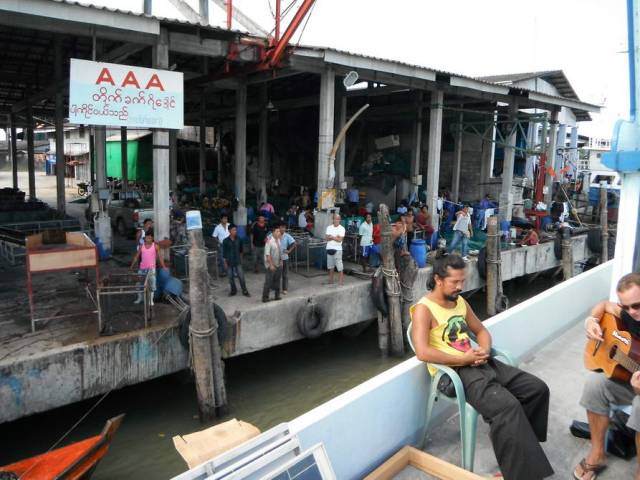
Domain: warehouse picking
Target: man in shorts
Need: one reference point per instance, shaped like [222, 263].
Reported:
[334, 236]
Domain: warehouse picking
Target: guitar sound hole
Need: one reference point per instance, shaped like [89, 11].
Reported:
[612, 352]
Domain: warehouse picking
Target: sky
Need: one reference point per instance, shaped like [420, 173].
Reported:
[585, 38]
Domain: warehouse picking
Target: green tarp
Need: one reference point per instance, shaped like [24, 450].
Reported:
[139, 160]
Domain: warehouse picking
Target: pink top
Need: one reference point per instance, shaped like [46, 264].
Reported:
[148, 257]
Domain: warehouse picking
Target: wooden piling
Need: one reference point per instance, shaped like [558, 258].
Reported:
[604, 223]
[567, 253]
[383, 334]
[493, 240]
[205, 350]
[391, 282]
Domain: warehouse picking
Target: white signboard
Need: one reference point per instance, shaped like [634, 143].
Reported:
[120, 95]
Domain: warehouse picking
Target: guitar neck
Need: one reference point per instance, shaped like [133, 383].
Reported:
[626, 362]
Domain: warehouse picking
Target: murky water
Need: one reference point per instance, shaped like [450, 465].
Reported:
[264, 388]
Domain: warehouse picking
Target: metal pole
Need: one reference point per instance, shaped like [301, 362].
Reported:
[493, 264]
[30, 155]
[204, 11]
[229, 14]
[277, 30]
[14, 150]
[124, 158]
[604, 223]
[202, 150]
[60, 160]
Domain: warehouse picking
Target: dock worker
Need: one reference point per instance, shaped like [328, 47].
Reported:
[259, 232]
[514, 403]
[288, 245]
[220, 233]
[273, 265]
[334, 235]
[366, 240]
[232, 255]
[601, 393]
[149, 255]
[462, 232]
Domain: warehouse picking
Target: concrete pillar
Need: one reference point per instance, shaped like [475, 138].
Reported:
[561, 144]
[161, 200]
[124, 157]
[263, 144]
[573, 145]
[341, 154]
[551, 155]
[325, 133]
[240, 186]
[488, 155]
[506, 196]
[100, 147]
[416, 147]
[220, 154]
[14, 150]
[59, 120]
[92, 155]
[173, 159]
[202, 151]
[433, 159]
[31, 165]
[457, 161]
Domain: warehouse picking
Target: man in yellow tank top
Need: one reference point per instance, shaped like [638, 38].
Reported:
[513, 402]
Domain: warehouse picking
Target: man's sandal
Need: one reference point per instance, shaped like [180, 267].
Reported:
[594, 469]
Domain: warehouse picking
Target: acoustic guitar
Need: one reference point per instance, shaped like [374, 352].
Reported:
[618, 356]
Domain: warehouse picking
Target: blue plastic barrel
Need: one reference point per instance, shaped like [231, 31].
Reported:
[546, 221]
[418, 251]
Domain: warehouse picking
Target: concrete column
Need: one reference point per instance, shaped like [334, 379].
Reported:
[325, 134]
[341, 154]
[457, 161]
[240, 186]
[220, 154]
[551, 155]
[14, 150]
[92, 154]
[161, 199]
[202, 151]
[31, 165]
[488, 155]
[573, 144]
[433, 159]
[561, 143]
[124, 157]
[173, 159]
[263, 144]
[100, 147]
[60, 160]
[416, 147]
[506, 196]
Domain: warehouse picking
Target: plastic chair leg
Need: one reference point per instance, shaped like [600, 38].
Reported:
[469, 437]
[433, 396]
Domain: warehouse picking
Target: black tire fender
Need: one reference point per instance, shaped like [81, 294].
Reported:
[311, 320]
[594, 240]
[184, 321]
[557, 245]
[482, 263]
[378, 295]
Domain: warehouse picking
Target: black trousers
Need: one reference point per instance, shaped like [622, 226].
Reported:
[515, 404]
[272, 282]
[285, 274]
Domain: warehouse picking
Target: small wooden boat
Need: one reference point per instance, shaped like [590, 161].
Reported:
[73, 462]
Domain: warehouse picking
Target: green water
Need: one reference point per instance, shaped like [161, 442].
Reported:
[264, 388]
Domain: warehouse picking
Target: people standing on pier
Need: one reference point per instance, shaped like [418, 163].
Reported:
[514, 403]
[288, 245]
[273, 265]
[601, 393]
[258, 237]
[334, 236]
[462, 232]
[232, 255]
[220, 233]
[366, 240]
[148, 254]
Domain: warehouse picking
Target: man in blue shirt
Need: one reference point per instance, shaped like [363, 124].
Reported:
[288, 244]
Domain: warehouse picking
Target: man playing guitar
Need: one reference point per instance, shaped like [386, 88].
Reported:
[600, 392]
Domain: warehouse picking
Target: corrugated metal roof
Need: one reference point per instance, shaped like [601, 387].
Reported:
[557, 78]
[174, 21]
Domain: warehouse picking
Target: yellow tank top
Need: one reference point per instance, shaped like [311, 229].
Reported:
[451, 336]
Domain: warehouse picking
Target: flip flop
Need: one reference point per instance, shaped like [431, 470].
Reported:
[589, 468]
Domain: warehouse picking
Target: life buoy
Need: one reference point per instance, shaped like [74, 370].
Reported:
[184, 321]
[377, 292]
[311, 320]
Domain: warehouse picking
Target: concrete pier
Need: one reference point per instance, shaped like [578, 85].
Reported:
[67, 361]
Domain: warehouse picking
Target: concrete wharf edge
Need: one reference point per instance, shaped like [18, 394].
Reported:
[43, 380]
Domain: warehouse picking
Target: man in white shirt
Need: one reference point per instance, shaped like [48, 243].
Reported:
[334, 236]
[302, 219]
[462, 232]
[366, 240]
[220, 233]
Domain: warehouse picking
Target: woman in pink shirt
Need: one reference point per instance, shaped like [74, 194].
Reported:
[148, 254]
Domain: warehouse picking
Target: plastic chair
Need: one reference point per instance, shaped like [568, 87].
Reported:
[468, 414]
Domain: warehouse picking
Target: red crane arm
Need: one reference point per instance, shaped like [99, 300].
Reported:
[274, 56]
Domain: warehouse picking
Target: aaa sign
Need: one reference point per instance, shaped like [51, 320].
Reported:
[120, 95]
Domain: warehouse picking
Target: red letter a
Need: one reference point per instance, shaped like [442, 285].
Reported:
[105, 76]
[130, 79]
[154, 81]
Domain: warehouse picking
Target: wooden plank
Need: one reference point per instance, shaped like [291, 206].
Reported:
[60, 260]
[422, 461]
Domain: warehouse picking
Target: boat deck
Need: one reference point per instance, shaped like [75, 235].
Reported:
[560, 365]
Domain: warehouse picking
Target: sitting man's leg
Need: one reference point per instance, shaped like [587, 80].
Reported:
[514, 438]
[598, 395]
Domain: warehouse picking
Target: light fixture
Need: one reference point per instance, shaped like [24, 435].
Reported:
[270, 106]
